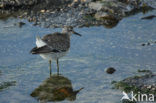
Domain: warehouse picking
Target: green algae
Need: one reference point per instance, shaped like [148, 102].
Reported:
[5, 85]
[129, 86]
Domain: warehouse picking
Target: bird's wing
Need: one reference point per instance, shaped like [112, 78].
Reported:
[57, 41]
[43, 49]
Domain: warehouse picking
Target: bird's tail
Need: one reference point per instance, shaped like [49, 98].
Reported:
[39, 42]
[33, 51]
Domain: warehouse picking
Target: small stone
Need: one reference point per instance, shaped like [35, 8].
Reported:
[1, 5]
[75, 0]
[143, 44]
[153, 89]
[148, 43]
[149, 17]
[86, 0]
[110, 70]
[48, 11]
[20, 24]
[42, 11]
[149, 87]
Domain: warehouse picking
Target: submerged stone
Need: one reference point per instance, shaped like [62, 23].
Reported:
[149, 17]
[20, 24]
[143, 44]
[5, 85]
[110, 70]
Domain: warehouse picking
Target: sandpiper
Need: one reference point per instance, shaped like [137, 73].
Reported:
[54, 46]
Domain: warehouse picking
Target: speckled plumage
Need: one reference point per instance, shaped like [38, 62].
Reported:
[57, 41]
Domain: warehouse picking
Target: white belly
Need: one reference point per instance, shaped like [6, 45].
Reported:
[50, 56]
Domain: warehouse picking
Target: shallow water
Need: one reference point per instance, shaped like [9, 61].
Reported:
[85, 64]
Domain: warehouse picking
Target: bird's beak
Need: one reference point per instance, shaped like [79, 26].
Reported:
[76, 33]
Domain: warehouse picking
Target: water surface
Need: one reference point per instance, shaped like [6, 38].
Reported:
[84, 65]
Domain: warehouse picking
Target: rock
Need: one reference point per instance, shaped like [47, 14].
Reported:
[149, 87]
[100, 15]
[143, 83]
[18, 2]
[86, 0]
[20, 24]
[143, 44]
[110, 70]
[148, 43]
[57, 13]
[1, 5]
[95, 5]
[149, 17]
[153, 89]
[42, 11]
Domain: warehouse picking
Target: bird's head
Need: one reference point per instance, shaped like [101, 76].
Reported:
[69, 30]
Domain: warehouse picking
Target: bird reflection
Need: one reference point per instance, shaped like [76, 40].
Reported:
[55, 88]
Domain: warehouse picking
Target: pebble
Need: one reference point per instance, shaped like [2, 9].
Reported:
[149, 87]
[148, 43]
[1, 5]
[42, 11]
[110, 70]
[143, 44]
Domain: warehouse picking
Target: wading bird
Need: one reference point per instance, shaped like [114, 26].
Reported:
[54, 46]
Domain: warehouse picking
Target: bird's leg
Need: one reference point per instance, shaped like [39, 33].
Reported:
[50, 67]
[57, 66]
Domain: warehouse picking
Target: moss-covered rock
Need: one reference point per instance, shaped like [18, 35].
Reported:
[143, 84]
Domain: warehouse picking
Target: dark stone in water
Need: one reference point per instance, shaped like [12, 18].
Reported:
[143, 44]
[110, 70]
[20, 24]
[149, 17]
[148, 43]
